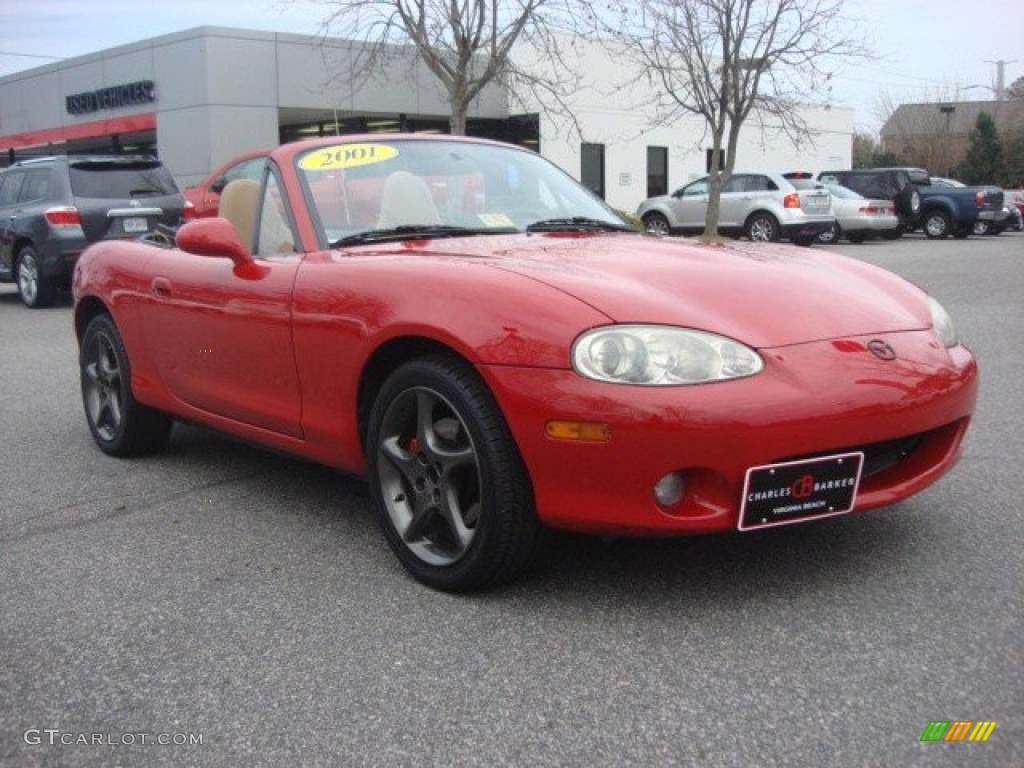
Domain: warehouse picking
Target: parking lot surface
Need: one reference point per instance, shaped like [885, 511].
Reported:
[242, 607]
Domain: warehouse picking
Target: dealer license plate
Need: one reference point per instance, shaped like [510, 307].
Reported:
[818, 202]
[135, 224]
[794, 491]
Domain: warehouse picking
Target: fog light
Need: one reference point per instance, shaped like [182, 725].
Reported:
[669, 490]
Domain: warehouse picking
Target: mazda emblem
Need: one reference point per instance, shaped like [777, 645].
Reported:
[881, 349]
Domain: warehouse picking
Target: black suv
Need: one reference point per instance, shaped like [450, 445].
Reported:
[52, 208]
[896, 184]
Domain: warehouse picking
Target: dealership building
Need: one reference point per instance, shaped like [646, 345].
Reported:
[199, 97]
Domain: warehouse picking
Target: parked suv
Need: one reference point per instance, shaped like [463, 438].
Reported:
[762, 206]
[896, 184]
[52, 208]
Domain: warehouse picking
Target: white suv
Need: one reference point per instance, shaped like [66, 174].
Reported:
[762, 206]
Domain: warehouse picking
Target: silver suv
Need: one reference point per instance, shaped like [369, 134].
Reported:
[762, 206]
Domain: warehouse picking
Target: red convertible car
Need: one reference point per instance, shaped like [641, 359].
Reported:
[500, 354]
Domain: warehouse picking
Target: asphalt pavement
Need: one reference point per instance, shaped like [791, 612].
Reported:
[242, 607]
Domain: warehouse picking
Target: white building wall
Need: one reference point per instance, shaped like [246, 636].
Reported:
[614, 106]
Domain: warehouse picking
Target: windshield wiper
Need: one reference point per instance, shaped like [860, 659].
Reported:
[577, 223]
[415, 231]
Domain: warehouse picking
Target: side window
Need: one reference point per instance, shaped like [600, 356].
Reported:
[697, 188]
[762, 184]
[36, 186]
[739, 183]
[275, 236]
[10, 186]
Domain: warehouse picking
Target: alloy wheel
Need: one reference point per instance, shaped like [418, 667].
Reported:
[430, 477]
[103, 395]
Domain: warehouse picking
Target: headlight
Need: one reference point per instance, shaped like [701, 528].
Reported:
[943, 324]
[656, 355]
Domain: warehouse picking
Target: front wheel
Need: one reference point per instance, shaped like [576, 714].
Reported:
[34, 290]
[453, 497]
[937, 225]
[656, 224]
[762, 228]
[120, 425]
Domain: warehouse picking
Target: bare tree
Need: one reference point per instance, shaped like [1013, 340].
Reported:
[728, 61]
[466, 44]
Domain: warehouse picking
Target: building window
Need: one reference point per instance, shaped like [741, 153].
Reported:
[657, 171]
[592, 168]
[707, 160]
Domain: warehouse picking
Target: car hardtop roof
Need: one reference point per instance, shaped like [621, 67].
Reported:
[862, 171]
[83, 158]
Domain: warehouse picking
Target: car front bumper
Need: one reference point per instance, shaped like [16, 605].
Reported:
[909, 415]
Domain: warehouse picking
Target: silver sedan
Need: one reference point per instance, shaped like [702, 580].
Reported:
[859, 218]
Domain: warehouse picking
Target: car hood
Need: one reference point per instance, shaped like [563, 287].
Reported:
[766, 295]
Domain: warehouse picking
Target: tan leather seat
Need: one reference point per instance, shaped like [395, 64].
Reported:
[406, 200]
[238, 204]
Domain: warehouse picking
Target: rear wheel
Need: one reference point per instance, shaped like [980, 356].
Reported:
[937, 225]
[34, 290]
[762, 228]
[120, 425]
[452, 494]
[981, 228]
[855, 238]
[830, 235]
[656, 224]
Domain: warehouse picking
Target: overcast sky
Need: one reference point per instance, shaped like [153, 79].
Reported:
[925, 50]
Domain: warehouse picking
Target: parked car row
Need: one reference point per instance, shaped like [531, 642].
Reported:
[856, 204]
[773, 206]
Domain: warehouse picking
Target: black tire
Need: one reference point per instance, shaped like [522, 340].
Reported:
[831, 235]
[453, 497]
[762, 228]
[981, 228]
[657, 224]
[34, 290]
[857, 239]
[119, 424]
[804, 240]
[936, 225]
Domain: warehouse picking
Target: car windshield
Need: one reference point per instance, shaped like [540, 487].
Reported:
[124, 179]
[805, 183]
[398, 189]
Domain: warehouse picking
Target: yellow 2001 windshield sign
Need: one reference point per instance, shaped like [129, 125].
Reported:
[346, 156]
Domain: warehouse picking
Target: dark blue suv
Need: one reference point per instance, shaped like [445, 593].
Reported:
[52, 208]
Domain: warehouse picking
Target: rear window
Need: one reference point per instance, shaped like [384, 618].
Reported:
[121, 179]
[805, 184]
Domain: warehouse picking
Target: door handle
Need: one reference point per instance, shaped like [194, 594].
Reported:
[161, 287]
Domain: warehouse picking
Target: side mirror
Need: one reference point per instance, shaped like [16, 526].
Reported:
[218, 184]
[214, 237]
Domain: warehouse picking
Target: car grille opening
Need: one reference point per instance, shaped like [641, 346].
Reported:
[878, 457]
